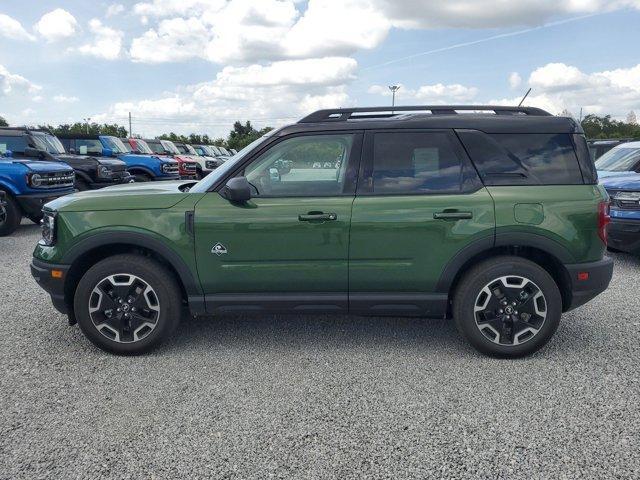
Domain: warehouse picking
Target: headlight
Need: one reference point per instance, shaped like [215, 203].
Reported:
[35, 180]
[104, 171]
[48, 225]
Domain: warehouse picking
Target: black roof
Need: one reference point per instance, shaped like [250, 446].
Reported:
[17, 131]
[487, 118]
[82, 136]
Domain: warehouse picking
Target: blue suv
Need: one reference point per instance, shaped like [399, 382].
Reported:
[27, 183]
[624, 230]
[144, 168]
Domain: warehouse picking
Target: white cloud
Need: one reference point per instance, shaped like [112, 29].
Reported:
[65, 99]
[557, 87]
[174, 40]
[12, 84]
[56, 25]
[515, 80]
[114, 9]
[107, 42]
[437, 94]
[268, 95]
[244, 31]
[13, 29]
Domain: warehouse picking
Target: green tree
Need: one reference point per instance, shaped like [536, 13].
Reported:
[93, 129]
[3, 122]
[243, 135]
[595, 126]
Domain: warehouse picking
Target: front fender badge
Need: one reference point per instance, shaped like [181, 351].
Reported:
[219, 249]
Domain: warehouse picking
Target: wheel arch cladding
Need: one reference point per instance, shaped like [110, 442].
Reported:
[546, 253]
[98, 247]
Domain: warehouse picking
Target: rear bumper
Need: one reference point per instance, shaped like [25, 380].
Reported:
[32, 204]
[624, 235]
[598, 276]
[42, 273]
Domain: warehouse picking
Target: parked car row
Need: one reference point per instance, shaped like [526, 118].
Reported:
[37, 166]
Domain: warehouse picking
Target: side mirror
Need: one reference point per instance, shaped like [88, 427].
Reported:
[237, 189]
[107, 152]
[33, 152]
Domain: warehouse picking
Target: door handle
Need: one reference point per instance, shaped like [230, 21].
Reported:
[453, 215]
[317, 217]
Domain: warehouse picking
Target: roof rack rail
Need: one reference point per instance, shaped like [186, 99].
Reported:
[344, 114]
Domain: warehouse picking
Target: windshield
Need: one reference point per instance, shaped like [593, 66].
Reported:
[181, 148]
[51, 143]
[203, 185]
[115, 144]
[207, 151]
[224, 151]
[190, 150]
[156, 147]
[170, 147]
[142, 146]
[619, 160]
[216, 151]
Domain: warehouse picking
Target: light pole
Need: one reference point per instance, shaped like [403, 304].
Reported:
[87, 120]
[394, 89]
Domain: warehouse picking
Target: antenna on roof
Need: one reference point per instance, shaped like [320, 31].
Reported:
[525, 96]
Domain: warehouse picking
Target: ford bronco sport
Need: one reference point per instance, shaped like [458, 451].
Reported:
[489, 215]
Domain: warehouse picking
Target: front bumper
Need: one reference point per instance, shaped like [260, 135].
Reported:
[624, 235]
[32, 204]
[588, 280]
[42, 272]
[128, 178]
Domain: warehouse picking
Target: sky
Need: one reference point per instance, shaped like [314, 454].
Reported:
[199, 65]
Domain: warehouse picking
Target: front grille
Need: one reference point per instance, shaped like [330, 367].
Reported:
[170, 168]
[189, 167]
[56, 180]
[622, 204]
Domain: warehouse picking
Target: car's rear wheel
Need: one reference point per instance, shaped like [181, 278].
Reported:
[10, 216]
[507, 307]
[127, 304]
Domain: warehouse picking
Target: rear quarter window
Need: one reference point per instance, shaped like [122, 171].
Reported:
[523, 159]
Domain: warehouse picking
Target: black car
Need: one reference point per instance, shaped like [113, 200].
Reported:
[92, 172]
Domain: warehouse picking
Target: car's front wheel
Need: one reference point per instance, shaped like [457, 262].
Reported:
[127, 304]
[10, 216]
[507, 307]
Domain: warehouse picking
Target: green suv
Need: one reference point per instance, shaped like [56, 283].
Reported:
[488, 215]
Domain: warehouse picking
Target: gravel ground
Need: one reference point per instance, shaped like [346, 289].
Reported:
[316, 397]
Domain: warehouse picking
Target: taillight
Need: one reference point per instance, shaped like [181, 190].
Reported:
[603, 220]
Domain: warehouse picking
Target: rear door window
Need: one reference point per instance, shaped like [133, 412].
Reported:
[13, 143]
[412, 163]
[529, 158]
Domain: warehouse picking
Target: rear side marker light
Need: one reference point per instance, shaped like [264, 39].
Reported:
[582, 276]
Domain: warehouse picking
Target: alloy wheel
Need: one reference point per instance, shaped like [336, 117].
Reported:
[510, 310]
[124, 308]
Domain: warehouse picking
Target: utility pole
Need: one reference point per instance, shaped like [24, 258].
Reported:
[394, 89]
[130, 132]
[87, 120]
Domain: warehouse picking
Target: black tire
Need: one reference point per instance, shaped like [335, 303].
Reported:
[142, 177]
[515, 340]
[81, 185]
[10, 216]
[166, 295]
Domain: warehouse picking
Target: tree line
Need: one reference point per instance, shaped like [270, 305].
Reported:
[242, 134]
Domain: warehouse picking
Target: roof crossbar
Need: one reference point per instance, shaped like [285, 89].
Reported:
[344, 114]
